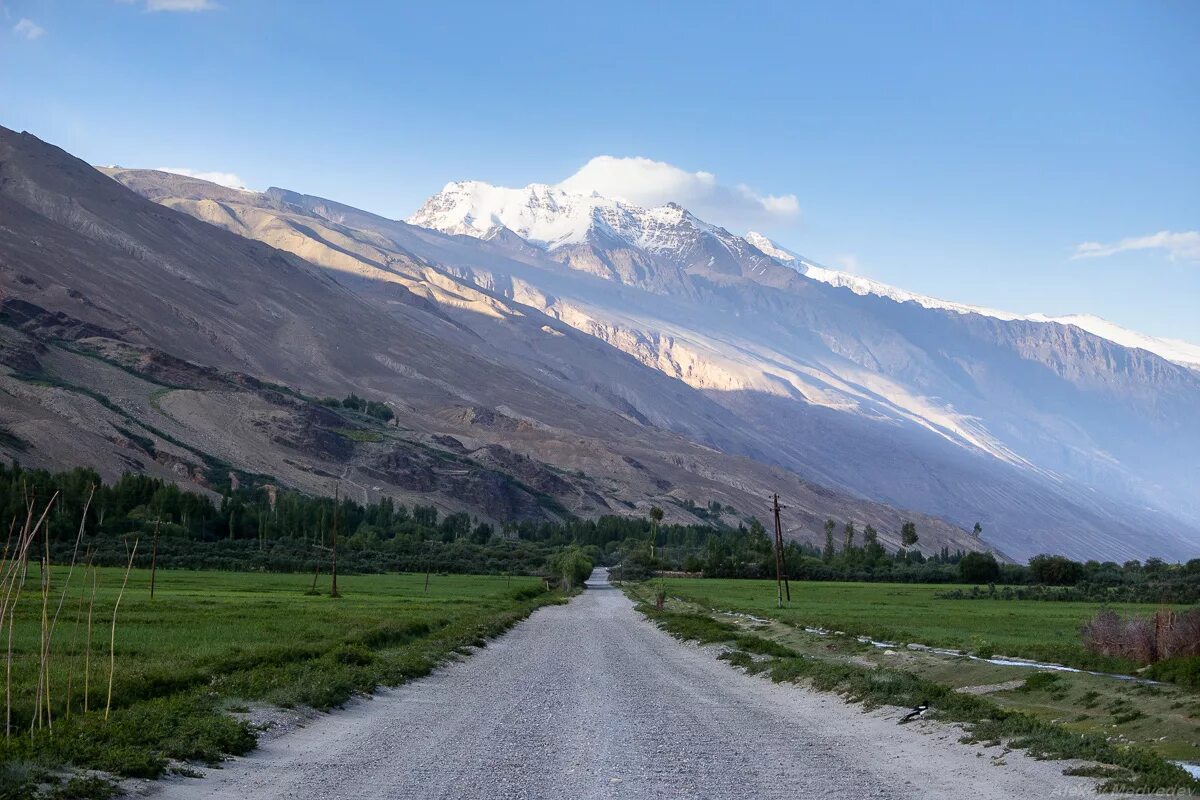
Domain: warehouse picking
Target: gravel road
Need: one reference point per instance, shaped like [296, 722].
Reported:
[588, 700]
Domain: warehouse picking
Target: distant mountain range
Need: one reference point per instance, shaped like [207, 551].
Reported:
[903, 398]
[548, 353]
[1176, 350]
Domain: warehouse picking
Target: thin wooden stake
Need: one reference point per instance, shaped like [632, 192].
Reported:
[154, 557]
[112, 642]
[87, 654]
[75, 633]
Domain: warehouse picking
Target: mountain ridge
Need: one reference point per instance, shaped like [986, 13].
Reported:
[849, 391]
[135, 337]
[1177, 350]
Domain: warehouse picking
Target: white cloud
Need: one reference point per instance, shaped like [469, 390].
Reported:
[1179, 246]
[645, 182]
[181, 5]
[176, 5]
[29, 29]
[224, 178]
[848, 262]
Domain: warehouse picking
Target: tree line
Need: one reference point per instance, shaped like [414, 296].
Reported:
[264, 527]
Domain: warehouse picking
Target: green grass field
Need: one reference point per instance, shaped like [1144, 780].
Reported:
[214, 641]
[901, 612]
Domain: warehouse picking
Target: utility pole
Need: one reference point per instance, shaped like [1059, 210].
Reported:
[781, 582]
[333, 592]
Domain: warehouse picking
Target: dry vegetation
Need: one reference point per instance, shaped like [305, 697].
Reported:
[1146, 640]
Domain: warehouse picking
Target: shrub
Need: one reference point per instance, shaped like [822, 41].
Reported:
[1038, 681]
[979, 568]
[1055, 570]
[1146, 640]
[1183, 670]
[573, 566]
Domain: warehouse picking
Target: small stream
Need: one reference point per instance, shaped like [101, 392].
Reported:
[999, 661]
[942, 651]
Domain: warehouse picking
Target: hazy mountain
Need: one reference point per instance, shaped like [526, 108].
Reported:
[1181, 352]
[1054, 438]
[917, 388]
[136, 337]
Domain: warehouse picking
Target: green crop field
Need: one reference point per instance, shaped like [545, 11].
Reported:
[212, 642]
[901, 612]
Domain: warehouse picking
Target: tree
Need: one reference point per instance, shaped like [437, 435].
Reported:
[908, 534]
[1055, 570]
[656, 515]
[573, 567]
[871, 546]
[830, 527]
[979, 568]
[978, 530]
[849, 531]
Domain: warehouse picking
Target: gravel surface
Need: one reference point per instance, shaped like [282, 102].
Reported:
[589, 700]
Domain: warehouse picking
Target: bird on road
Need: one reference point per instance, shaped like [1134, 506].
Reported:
[916, 713]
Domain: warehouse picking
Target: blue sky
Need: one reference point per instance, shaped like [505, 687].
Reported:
[957, 149]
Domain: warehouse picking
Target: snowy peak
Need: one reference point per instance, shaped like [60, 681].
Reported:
[773, 249]
[541, 214]
[564, 223]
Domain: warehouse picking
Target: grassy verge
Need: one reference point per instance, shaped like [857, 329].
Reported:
[1126, 768]
[899, 612]
[209, 642]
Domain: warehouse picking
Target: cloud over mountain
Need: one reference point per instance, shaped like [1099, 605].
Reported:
[224, 178]
[649, 183]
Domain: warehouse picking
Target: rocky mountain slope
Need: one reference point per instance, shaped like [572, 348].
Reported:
[135, 337]
[1054, 438]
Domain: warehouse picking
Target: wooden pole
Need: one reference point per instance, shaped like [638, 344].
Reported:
[780, 581]
[316, 575]
[333, 590]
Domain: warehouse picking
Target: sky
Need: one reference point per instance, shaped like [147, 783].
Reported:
[1022, 156]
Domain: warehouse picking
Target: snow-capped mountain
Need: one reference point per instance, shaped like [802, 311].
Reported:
[1056, 439]
[875, 389]
[590, 232]
[1176, 350]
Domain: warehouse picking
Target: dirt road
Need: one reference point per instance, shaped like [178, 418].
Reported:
[588, 700]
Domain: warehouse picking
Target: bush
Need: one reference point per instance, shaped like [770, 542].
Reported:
[1146, 640]
[979, 568]
[1183, 670]
[1055, 570]
[573, 566]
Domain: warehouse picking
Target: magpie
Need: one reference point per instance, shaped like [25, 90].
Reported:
[916, 713]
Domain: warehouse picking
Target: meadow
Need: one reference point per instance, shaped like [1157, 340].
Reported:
[901, 612]
[211, 643]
